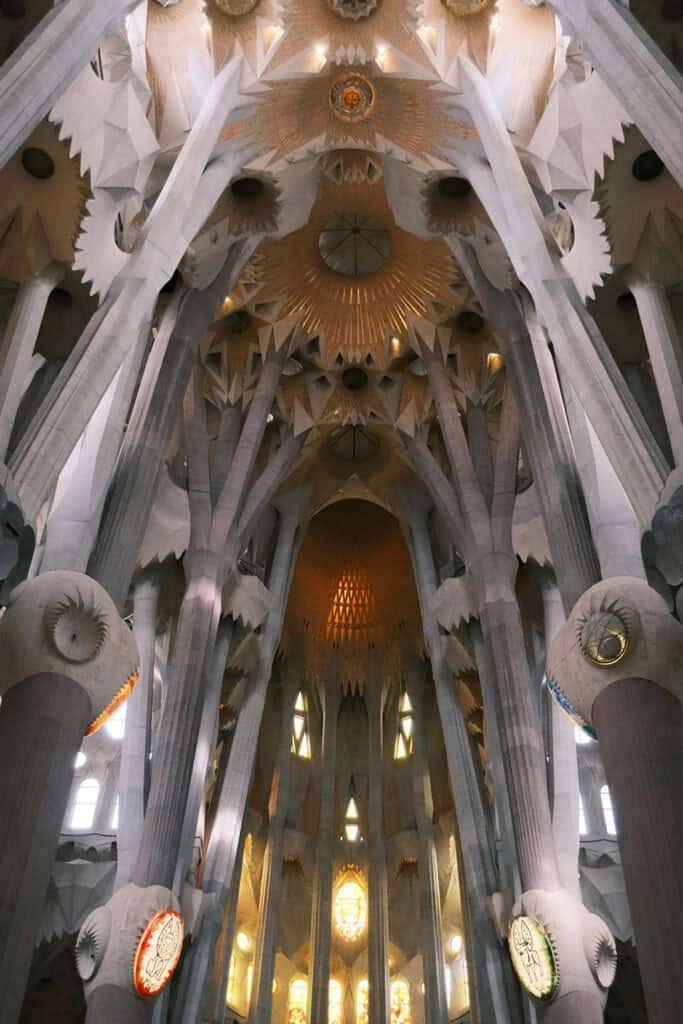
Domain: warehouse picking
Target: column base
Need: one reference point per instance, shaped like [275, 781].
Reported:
[117, 1006]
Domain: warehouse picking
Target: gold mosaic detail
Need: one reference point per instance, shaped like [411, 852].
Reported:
[352, 97]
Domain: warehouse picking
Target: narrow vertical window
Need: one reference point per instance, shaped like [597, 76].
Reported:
[583, 824]
[404, 735]
[115, 814]
[297, 1001]
[363, 1002]
[608, 811]
[301, 742]
[86, 804]
[335, 1009]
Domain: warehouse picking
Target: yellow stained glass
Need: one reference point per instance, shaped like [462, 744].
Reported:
[296, 1003]
[363, 1002]
[350, 910]
[352, 810]
[400, 1002]
[335, 1013]
[352, 832]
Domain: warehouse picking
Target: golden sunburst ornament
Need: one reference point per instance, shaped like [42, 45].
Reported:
[352, 97]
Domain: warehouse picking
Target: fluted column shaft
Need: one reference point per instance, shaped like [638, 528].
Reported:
[436, 1003]
[261, 1002]
[207, 729]
[42, 721]
[378, 910]
[136, 747]
[321, 911]
[493, 993]
[666, 355]
[640, 723]
[19, 342]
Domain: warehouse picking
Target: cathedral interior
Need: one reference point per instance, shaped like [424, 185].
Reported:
[341, 511]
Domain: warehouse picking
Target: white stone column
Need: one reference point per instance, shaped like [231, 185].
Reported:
[666, 354]
[18, 344]
[436, 1001]
[641, 77]
[47, 62]
[321, 910]
[378, 908]
[261, 1001]
[136, 746]
[565, 768]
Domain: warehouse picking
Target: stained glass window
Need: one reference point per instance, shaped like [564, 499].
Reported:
[400, 1002]
[404, 734]
[353, 607]
[231, 996]
[350, 906]
[352, 816]
[296, 1003]
[363, 1002]
[301, 741]
[335, 1013]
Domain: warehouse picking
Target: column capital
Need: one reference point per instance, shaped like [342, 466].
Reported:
[619, 629]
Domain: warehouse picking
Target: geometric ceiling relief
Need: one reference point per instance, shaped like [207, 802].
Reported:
[382, 275]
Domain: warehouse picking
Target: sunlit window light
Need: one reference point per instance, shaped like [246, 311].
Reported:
[115, 814]
[116, 723]
[86, 803]
[583, 824]
[404, 734]
[608, 811]
[301, 742]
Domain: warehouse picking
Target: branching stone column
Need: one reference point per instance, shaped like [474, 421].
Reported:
[66, 655]
[136, 747]
[48, 60]
[207, 730]
[666, 354]
[154, 417]
[19, 343]
[493, 993]
[436, 1001]
[221, 861]
[483, 536]
[321, 911]
[641, 77]
[378, 908]
[261, 1001]
[617, 665]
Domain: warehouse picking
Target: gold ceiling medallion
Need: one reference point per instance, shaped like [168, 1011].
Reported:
[236, 8]
[352, 97]
[465, 8]
[353, 9]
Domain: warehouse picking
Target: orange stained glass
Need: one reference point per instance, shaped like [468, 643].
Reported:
[296, 1003]
[363, 1002]
[352, 611]
[350, 909]
[400, 1002]
[334, 1010]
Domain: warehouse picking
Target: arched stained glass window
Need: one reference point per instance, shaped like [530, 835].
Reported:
[335, 1011]
[608, 811]
[297, 1001]
[400, 1002]
[350, 905]
[86, 804]
[363, 1002]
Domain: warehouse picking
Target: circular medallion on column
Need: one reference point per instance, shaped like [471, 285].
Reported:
[533, 957]
[158, 952]
[604, 636]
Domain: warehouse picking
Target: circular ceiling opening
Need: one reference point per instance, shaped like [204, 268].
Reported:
[354, 378]
[454, 188]
[354, 245]
[647, 166]
[37, 163]
[470, 322]
[246, 188]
